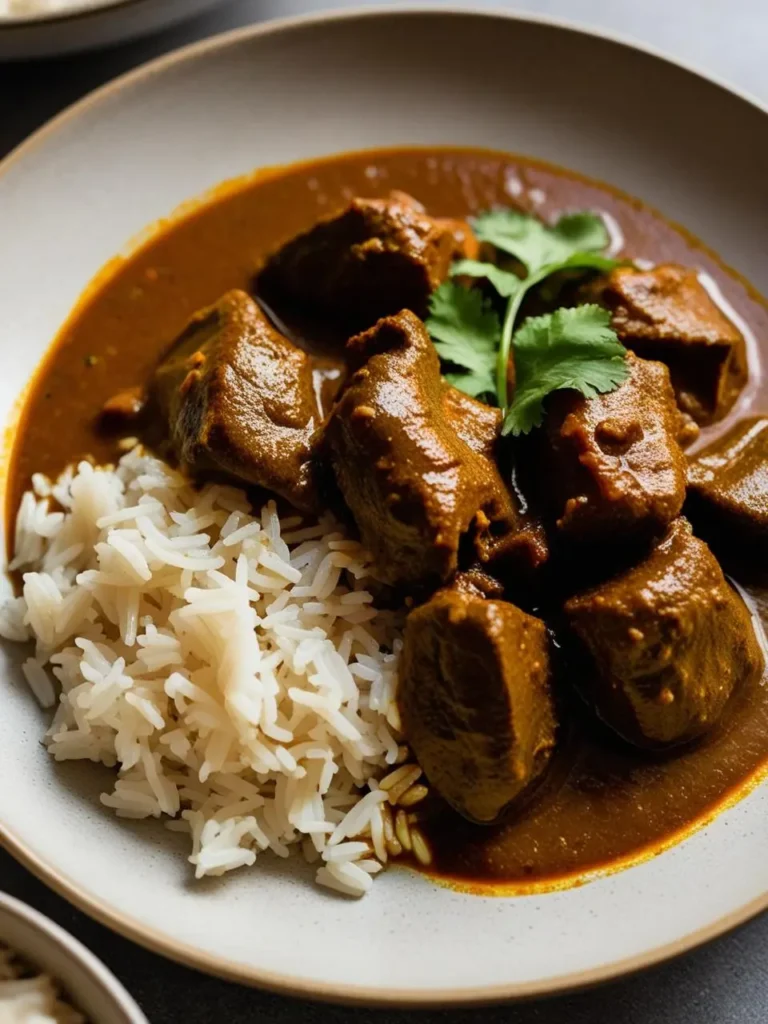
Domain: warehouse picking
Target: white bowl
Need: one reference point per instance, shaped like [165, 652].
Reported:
[86, 26]
[75, 194]
[85, 981]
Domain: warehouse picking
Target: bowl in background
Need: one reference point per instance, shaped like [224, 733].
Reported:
[84, 980]
[89, 24]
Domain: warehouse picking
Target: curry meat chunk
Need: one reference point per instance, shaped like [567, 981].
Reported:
[474, 697]
[420, 495]
[669, 640]
[728, 488]
[478, 425]
[238, 397]
[667, 314]
[611, 466]
[373, 259]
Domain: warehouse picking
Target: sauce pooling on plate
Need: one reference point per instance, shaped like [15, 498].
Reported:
[578, 790]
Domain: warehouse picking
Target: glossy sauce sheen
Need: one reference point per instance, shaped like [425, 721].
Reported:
[602, 802]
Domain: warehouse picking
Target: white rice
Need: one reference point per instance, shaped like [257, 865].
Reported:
[30, 998]
[234, 669]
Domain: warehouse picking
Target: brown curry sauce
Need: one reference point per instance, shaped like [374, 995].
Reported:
[603, 803]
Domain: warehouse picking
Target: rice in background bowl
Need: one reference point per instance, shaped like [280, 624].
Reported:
[47, 28]
[29, 997]
[31, 8]
[60, 974]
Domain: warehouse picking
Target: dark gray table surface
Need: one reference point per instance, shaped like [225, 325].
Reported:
[726, 982]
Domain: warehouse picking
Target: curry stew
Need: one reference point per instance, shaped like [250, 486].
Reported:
[581, 682]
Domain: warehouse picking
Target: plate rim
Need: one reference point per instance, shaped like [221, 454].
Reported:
[380, 9]
[270, 980]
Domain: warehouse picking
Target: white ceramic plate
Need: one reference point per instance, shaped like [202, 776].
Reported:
[85, 980]
[86, 25]
[75, 193]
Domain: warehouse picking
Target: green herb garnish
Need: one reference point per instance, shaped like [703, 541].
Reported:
[536, 244]
[570, 348]
[466, 332]
[469, 335]
[504, 281]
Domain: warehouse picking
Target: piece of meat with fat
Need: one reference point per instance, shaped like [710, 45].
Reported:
[666, 313]
[371, 260]
[475, 701]
[610, 467]
[728, 490]
[422, 498]
[238, 397]
[668, 640]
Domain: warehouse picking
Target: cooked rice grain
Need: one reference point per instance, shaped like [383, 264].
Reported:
[238, 676]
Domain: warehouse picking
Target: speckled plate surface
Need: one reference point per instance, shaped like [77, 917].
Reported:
[71, 198]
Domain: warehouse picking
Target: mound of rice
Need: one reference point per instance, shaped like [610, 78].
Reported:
[30, 998]
[233, 668]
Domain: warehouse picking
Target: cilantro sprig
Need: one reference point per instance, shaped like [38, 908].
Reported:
[567, 348]
[570, 348]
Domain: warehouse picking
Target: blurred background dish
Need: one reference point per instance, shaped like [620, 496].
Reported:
[44, 28]
[46, 949]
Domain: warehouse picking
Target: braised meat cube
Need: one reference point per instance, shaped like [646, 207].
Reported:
[669, 640]
[478, 425]
[373, 259]
[611, 466]
[728, 489]
[236, 396]
[667, 314]
[420, 495]
[477, 582]
[474, 698]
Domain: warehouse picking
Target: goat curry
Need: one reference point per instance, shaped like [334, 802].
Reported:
[581, 679]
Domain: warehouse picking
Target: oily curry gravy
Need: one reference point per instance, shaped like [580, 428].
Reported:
[602, 802]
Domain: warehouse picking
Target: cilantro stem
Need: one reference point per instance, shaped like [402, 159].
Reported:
[508, 329]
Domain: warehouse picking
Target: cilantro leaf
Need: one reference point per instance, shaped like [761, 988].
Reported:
[591, 261]
[537, 245]
[469, 336]
[570, 348]
[505, 282]
[584, 231]
[466, 332]
[476, 385]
